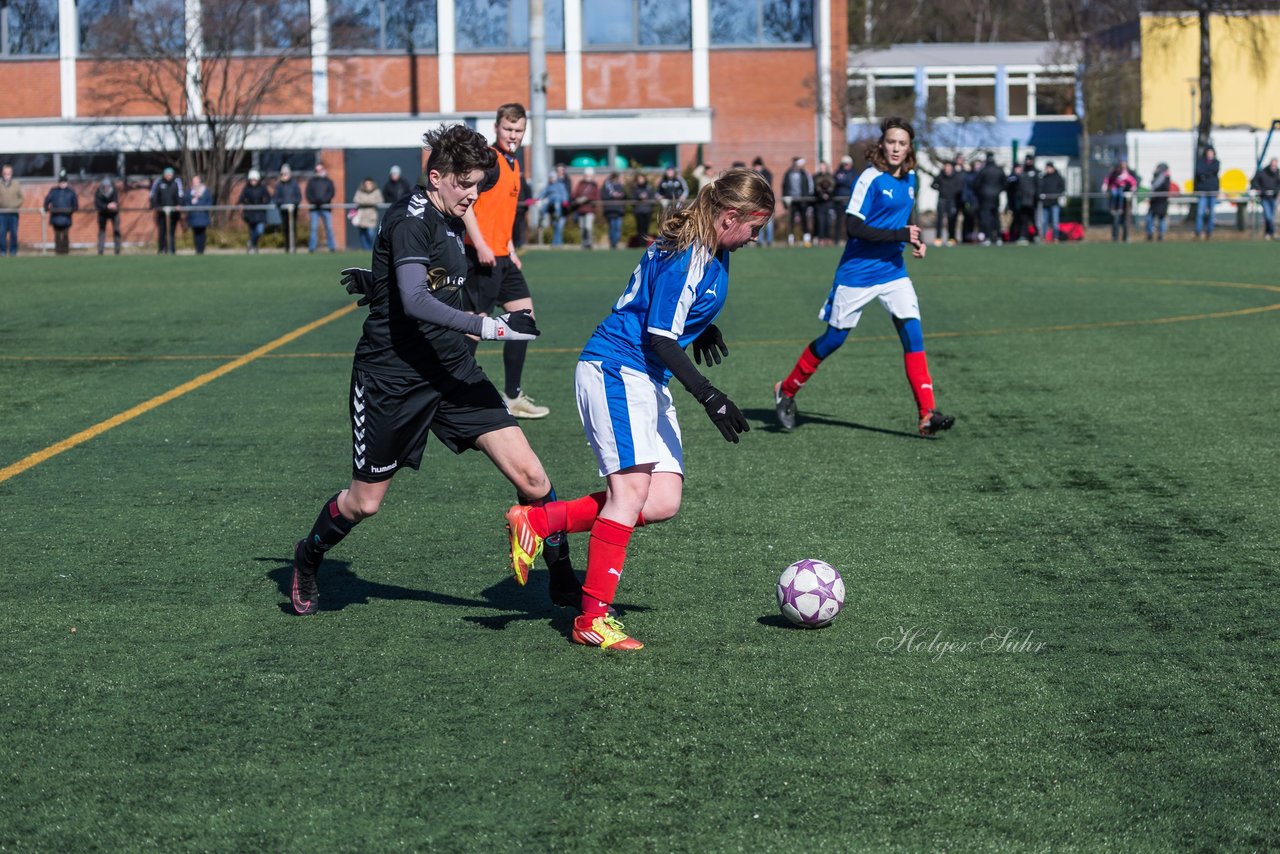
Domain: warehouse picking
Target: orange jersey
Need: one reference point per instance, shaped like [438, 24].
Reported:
[496, 207]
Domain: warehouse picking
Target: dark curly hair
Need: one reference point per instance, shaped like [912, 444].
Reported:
[457, 150]
[875, 152]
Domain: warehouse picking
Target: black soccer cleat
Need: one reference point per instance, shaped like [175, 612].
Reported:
[304, 594]
[784, 406]
[935, 422]
[566, 593]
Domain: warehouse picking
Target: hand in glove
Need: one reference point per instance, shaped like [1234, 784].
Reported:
[709, 347]
[358, 280]
[516, 326]
[724, 413]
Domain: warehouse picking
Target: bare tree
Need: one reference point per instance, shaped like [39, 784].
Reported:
[1250, 37]
[209, 77]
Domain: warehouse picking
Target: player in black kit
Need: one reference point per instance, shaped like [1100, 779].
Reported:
[413, 370]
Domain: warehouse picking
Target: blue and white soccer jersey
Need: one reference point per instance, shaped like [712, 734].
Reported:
[623, 398]
[868, 270]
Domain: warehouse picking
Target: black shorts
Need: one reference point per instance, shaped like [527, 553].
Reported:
[390, 417]
[489, 286]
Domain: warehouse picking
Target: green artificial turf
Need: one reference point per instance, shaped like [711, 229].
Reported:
[1106, 503]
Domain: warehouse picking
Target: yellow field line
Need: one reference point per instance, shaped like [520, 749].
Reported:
[191, 385]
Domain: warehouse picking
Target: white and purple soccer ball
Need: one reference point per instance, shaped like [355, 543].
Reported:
[810, 593]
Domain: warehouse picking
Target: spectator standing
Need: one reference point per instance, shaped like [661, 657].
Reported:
[367, 198]
[1158, 206]
[60, 203]
[950, 187]
[642, 195]
[166, 201]
[10, 204]
[614, 196]
[395, 188]
[797, 191]
[106, 201]
[845, 177]
[672, 190]
[320, 193]
[287, 197]
[198, 200]
[969, 200]
[704, 175]
[555, 204]
[1119, 186]
[824, 206]
[1267, 184]
[1026, 194]
[988, 185]
[1052, 186]
[1206, 186]
[252, 197]
[586, 198]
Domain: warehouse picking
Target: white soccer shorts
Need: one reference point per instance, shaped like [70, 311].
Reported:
[630, 419]
[844, 304]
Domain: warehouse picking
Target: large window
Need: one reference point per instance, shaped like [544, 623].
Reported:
[504, 24]
[130, 27]
[383, 25]
[32, 27]
[761, 22]
[636, 23]
[270, 26]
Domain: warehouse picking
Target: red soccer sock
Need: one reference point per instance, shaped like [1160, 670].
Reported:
[805, 367]
[605, 555]
[921, 383]
[572, 517]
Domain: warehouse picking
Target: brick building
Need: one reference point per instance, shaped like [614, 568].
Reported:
[640, 82]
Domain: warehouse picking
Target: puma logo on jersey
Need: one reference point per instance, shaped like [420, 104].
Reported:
[887, 192]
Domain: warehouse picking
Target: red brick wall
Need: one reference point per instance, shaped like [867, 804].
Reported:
[637, 80]
[487, 80]
[382, 84]
[30, 89]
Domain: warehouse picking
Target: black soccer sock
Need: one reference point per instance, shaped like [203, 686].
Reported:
[513, 353]
[330, 527]
[555, 547]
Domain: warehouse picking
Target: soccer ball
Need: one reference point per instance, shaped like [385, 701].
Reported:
[810, 593]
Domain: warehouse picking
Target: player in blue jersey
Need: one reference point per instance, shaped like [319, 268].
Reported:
[674, 294]
[879, 228]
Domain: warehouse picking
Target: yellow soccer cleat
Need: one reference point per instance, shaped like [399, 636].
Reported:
[604, 632]
[526, 545]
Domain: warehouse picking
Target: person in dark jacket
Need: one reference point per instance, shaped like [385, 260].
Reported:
[614, 196]
[586, 198]
[60, 202]
[988, 186]
[968, 199]
[320, 192]
[642, 194]
[1052, 186]
[396, 187]
[950, 187]
[797, 190]
[1158, 204]
[1267, 184]
[1206, 186]
[166, 201]
[287, 197]
[197, 202]
[255, 194]
[1025, 196]
[106, 201]
[824, 206]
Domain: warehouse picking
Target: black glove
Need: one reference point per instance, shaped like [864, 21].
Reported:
[709, 347]
[725, 414]
[358, 280]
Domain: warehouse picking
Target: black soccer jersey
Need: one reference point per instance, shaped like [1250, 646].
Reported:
[393, 343]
